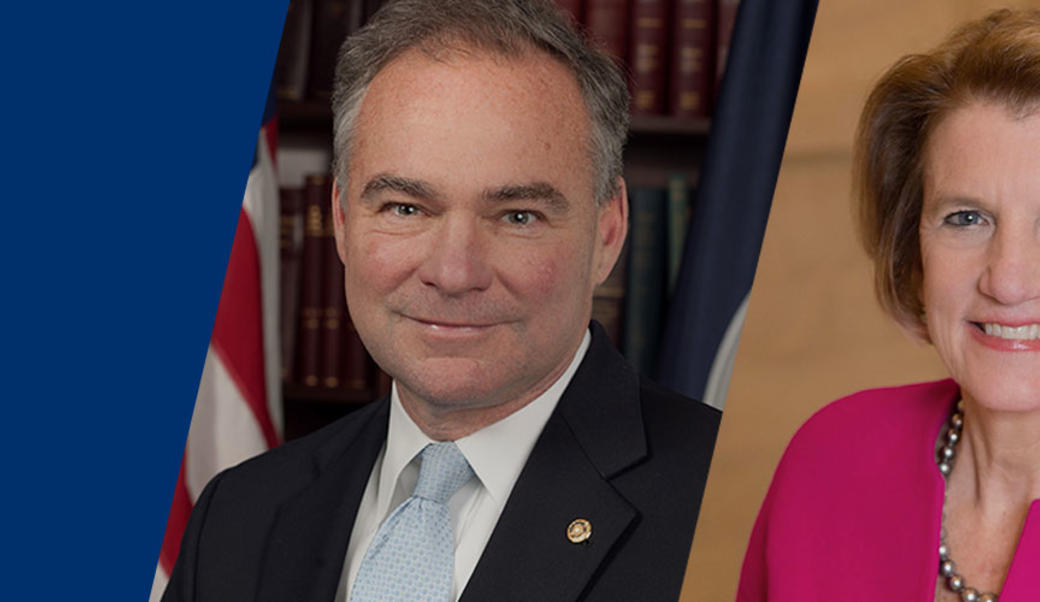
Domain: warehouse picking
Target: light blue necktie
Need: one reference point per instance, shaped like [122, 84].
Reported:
[412, 556]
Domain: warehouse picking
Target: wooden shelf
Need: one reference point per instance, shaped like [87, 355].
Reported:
[666, 125]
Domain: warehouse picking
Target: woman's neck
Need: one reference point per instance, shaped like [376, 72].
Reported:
[998, 460]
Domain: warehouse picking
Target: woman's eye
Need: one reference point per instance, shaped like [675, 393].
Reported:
[520, 218]
[963, 218]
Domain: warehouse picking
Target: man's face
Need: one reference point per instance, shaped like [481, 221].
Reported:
[470, 237]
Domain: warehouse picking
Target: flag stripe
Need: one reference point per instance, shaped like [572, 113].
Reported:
[238, 405]
[180, 509]
[238, 330]
[224, 430]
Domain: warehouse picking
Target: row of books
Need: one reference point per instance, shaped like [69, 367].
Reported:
[321, 349]
[658, 221]
[675, 50]
[311, 37]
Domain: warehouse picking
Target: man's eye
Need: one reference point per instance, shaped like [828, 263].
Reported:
[963, 218]
[521, 218]
[402, 209]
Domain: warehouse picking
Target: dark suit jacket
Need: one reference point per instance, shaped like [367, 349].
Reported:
[629, 457]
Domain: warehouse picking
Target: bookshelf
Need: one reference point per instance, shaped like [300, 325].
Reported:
[660, 149]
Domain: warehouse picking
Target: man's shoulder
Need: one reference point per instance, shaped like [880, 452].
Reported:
[290, 465]
[666, 411]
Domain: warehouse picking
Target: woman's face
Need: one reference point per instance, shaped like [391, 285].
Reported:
[980, 249]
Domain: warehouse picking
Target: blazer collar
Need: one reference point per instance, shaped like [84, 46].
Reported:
[595, 433]
[308, 540]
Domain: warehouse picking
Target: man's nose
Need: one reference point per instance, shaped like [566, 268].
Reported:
[458, 257]
[1012, 273]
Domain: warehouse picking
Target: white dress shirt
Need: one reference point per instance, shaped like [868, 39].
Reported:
[497, 453]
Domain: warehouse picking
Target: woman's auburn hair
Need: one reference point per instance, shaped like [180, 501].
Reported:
[995, 59]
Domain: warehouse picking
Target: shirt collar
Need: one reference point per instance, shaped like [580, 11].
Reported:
[497, 453]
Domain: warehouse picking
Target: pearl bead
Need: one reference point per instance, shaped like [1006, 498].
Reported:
[944, 460]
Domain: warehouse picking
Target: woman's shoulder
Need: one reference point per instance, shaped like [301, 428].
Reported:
[850, 430]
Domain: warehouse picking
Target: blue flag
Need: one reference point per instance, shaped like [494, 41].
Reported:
[756, 99]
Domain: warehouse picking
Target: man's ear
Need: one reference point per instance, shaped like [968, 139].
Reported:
[611, 231]
[339, 222]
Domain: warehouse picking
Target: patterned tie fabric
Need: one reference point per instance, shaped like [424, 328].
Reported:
[412, 556]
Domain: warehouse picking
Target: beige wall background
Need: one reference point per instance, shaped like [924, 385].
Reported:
[814, 331]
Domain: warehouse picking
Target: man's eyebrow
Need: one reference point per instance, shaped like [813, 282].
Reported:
[535, 191]
[414, 188]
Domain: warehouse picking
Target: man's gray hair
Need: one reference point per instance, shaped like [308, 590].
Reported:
[510, 28]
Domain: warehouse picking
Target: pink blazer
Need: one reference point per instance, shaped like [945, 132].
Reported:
[854, 510]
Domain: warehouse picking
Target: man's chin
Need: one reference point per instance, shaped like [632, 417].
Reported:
[449, 397]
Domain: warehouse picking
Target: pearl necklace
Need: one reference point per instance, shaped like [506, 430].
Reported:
[947, 569]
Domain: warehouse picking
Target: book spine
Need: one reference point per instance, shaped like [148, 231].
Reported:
[333, 21]
[573, 8]
[334, 306]
[693, 58]
[290, 245]
[355, 359]
[727, 19]
[644, 295]
[606, 22]
[290, 70]
[648, 56]
[311, 264]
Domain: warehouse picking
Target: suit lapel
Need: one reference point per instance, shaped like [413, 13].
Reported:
[308, 541]
[595, 432]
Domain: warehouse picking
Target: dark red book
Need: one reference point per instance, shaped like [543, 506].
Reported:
[727, 18]
[334, 308]
[574, 7]
[649, 56]
[355, 358]
[290, 245]
[333, 21]
[693, 58]
[290, 69]
[312, 260]
[607, 24]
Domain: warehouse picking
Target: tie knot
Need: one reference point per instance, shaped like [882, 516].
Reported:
[443, 470]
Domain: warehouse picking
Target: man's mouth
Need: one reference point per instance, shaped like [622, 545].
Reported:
[450, 325]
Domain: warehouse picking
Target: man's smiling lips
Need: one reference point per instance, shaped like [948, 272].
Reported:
[452, 327]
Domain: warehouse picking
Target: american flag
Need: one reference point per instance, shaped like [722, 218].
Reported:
[238, 405]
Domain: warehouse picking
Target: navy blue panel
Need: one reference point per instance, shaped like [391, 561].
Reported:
[128, 132]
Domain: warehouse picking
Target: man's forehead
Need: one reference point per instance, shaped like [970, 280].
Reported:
[444, 64]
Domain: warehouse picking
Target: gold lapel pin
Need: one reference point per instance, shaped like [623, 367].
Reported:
[579, 530]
